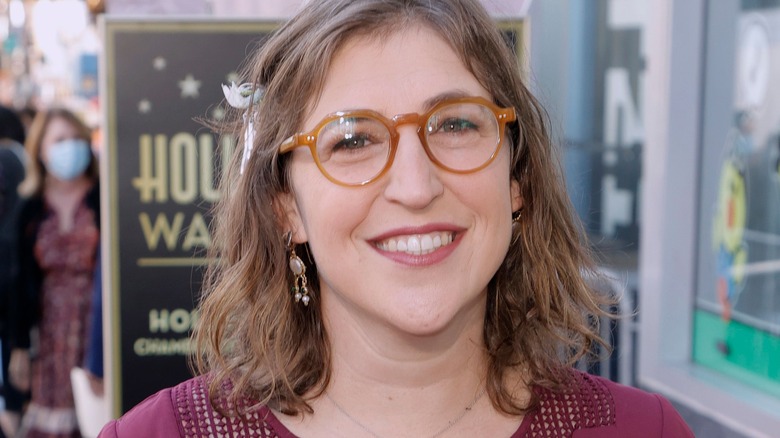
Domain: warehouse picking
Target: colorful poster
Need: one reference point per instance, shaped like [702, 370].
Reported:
[737, 319]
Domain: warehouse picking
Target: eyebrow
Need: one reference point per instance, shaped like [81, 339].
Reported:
[452, 94]
[428, 103]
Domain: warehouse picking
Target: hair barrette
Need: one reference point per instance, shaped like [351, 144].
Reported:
[245, 96]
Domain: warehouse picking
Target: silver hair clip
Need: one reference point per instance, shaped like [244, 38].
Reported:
[242, 97]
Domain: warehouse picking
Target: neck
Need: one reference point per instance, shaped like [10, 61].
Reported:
[386, 377]
[75, 187]
[375, 352]
[411, 402]
[386, 382]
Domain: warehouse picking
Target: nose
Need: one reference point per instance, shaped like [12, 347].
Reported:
[412, 180]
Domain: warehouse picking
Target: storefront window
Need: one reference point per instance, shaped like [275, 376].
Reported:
[737, 308]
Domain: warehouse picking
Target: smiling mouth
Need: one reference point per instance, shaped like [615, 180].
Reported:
[417, 244]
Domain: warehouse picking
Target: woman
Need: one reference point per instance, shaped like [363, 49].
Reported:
[59, 236]
[398, 256]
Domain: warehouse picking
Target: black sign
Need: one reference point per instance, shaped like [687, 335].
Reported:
[161, 181]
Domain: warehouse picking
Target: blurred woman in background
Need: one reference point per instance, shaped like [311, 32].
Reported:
[59, 237]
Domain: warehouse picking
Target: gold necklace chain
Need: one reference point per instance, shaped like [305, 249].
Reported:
[449, 425]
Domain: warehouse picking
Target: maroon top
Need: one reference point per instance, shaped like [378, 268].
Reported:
[592, 407]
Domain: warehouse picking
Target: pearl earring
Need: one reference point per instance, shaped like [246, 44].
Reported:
[298, 289]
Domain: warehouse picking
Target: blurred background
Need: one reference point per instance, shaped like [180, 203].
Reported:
[667, 113]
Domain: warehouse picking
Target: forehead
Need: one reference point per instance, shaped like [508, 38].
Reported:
[397, 73]
[58, 124]
[58, 128]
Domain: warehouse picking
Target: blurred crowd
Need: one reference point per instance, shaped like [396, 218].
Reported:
[50, 289]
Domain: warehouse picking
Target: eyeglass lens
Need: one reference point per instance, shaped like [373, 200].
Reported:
[355, 149]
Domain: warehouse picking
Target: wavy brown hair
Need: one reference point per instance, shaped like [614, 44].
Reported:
[542, 314]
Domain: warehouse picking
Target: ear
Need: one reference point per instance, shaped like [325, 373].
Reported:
[289, 216]
[514, 191]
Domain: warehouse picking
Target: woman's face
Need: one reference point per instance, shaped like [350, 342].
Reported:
[349, 230]
[64, 154]
[57, 130]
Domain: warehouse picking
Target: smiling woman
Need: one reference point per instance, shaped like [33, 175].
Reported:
[398, 255]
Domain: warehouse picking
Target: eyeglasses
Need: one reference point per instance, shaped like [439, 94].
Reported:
[355, 148]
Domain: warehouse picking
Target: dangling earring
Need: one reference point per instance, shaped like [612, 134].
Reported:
[298, 289]
[516, 225]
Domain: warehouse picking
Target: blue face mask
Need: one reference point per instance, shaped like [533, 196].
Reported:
[68, 159]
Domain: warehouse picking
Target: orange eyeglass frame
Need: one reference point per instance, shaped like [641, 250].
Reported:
[309, 139]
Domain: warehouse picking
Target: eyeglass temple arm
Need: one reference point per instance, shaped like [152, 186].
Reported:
[507, 115]
[289, 144]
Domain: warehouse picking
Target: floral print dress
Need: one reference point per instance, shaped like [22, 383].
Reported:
[67, 260]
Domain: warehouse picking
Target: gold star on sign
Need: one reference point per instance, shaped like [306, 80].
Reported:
[159, 63]
[189, 87]
[144, 106]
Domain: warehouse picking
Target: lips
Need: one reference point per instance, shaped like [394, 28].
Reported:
[417, 244]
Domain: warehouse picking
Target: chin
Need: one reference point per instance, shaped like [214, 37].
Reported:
[423, 328]
[435, 321]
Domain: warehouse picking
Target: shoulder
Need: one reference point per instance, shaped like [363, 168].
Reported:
[32, 205]
[10, 160]
[595, 407]
[185, 410]
[92, 201]
[153, 417]
[30, 213]
[244, 415]
[638, 410]
[93, 196]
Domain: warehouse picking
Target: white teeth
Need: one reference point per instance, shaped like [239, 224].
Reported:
[426, 243]
[417, 244]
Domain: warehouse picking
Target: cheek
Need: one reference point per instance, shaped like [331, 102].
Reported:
[331, 221]
[328, 214]
[329, 217]
[44, 152]
[494, 192]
